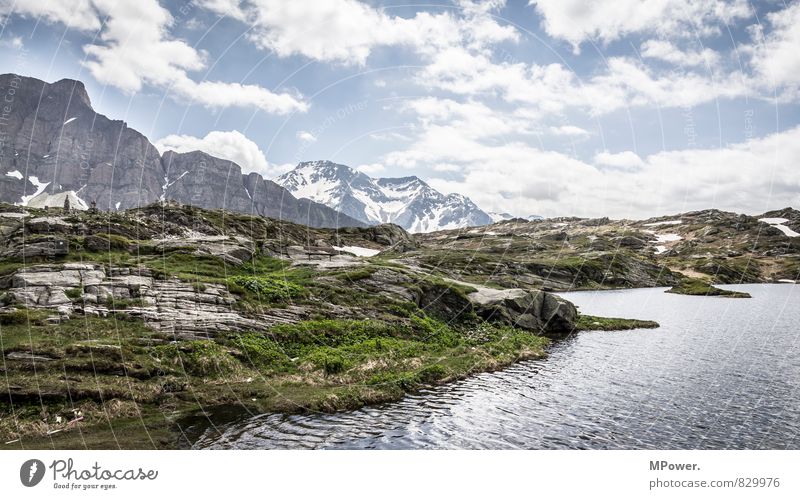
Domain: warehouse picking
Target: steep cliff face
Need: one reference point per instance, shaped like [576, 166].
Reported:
[52, 142]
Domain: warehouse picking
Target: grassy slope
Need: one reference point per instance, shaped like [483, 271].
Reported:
[115, 369]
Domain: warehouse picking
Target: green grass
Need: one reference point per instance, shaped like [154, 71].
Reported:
[189, 267]
[261, 352]
[699, 287]
[114, 242]
[9, 266]
[267, 288]
[593, 323]
[115, 369]
[357, 274]
[202, 358]
[16, 317]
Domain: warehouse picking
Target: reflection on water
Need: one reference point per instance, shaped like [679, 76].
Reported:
[719, 373]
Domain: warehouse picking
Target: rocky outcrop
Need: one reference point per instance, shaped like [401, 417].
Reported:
[391, 236]
[528, 309]
[168, 305]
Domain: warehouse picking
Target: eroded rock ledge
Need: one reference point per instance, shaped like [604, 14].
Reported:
[170, 305]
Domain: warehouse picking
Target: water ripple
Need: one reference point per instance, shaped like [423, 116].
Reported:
[719, 373]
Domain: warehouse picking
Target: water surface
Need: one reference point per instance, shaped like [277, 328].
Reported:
[719, 373]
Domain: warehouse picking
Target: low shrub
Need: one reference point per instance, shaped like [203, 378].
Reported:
[267, 288]
[261, 352]
[329, 360]
[18, 316]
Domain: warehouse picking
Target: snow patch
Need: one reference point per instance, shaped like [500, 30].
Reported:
[44, 199]
[70, 120]
[667, 238]
[168, 184]
[16, 174]
[773, 221]
[787, 281]
[778, 224]
[357, 250]
[40, 187]
[116, 206]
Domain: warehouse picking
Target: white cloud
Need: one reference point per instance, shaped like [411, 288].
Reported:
[472, 119]
[552, 88]
[229, 8]
[134, 49]
[371, 169]
[306, 136]
[16, 42]
[667, 51]
[578, 21]
[347, 31]
[77, 14]
[775, 56]
[446, 167]
[624, 159]
[750, 177]
[569, 131]
[389, 135]
[501, 173]
[233, 146]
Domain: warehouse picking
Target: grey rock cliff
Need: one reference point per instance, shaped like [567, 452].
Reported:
[52, 141]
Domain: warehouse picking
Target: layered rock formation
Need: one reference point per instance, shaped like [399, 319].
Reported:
[82, 263]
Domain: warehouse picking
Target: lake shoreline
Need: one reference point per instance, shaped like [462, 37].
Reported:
[645, 394]
[154, 428]
[165, 429]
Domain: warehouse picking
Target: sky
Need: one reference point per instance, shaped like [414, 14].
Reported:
[618, 108]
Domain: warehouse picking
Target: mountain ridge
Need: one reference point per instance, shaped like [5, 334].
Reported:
[406, 201]
[53, 142]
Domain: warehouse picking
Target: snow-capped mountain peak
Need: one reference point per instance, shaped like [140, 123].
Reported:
[405, 201]
[499, 217]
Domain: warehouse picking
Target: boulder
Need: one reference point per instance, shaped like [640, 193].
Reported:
[533, 310]
[631, 242]
[391, 235]
[47, 246]
[444, 302]
[232, 253]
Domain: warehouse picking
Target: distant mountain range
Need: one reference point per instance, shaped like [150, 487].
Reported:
[499, 217]
[53, 146]
[407, 201]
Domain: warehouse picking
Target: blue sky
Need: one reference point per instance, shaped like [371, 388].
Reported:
[558, 107]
